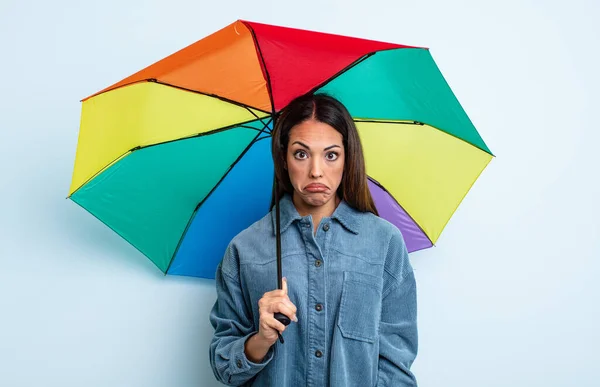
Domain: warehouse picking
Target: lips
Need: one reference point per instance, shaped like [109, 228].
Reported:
[314, 187]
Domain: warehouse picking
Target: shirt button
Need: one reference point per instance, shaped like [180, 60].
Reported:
[326, 227]
[318, 263]
[239, 363]
[319, 307]
[318, 353]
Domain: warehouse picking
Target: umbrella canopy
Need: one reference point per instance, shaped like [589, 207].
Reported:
[177, 159]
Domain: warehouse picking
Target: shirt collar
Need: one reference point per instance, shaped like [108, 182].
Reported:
[344, 214]
[347, 216]
[287, 214]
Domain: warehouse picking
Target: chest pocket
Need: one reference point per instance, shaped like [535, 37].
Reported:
[360, 307]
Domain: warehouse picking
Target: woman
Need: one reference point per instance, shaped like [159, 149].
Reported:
[349, 288]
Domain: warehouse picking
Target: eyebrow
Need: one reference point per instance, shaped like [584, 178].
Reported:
[307, 147]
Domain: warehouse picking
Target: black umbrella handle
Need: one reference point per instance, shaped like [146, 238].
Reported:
[285, 320]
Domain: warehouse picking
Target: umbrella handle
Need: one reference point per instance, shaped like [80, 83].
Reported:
[285, 320]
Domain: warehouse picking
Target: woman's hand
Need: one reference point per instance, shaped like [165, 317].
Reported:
[258, 345]
[271, 303]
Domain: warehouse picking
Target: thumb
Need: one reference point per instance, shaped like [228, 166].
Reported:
[284, 285]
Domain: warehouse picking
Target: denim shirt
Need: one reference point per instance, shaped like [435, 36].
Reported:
[354, 290]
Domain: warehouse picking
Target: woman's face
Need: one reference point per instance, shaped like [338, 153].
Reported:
[315, 162]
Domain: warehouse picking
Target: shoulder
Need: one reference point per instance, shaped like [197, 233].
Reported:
[384, 237]
[257, 232]
[378, 229]
[246, 241]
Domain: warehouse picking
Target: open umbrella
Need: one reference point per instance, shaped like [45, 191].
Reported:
[165, 156]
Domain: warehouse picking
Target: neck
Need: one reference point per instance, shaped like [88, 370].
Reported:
[317, 213]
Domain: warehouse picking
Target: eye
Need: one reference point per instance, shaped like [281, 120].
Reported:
[332, 156]
[300, 154]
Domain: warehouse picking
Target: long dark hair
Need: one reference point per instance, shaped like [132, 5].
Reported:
[326, 109]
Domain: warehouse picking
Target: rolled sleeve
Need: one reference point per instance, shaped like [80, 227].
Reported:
[240, 365]
[233, 325]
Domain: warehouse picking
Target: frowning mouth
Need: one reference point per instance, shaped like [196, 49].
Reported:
[315, 187]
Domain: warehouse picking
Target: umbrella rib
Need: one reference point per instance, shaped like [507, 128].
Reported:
[399, 122]
[265, 125]
[120, 235]
[351, 65]
[420, 123]
[222, 129]
[208, 95]
[111, 88]
[155, 80]
[262, 138]
[100, 171]
[399, 205]
[183, 234]
[358, 61]
[263, 65]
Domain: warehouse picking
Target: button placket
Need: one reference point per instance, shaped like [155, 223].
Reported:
[317, 337]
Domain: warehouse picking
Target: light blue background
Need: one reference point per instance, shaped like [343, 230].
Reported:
[510, 297]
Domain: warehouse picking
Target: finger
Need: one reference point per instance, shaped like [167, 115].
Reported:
[273, 294]
[287, 302]
[282, 307]
[292, 307]
[268, 305]
[269, 322]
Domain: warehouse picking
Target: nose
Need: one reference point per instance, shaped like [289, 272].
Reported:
[316, 169]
